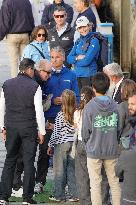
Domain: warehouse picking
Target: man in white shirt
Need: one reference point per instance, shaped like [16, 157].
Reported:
[23, 124]
[114, 72]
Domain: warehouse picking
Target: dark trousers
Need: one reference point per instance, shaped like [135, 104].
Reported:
[15, 138]
[17, 182]
[82, 176]
[83, 81]
[43, 159]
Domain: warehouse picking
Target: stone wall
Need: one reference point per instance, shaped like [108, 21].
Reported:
[123, 14]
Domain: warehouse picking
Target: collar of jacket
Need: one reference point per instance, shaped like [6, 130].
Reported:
[63, 70]
[37, 42]
[23, 74]
[87, 36]
[132, 120]
[67, 29]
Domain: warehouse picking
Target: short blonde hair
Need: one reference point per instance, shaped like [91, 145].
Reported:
[44, 65]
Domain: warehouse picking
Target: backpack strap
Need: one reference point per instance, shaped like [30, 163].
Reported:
[41, 53]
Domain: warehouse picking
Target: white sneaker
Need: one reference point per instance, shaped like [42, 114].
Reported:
[3, 202]
[52, 198]
[17, 193]
[73, 200]
[38, 188]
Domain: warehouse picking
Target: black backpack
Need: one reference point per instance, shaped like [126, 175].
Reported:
[102, 59]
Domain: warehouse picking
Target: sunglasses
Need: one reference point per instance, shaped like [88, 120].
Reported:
[59, 16]
[48, 72]
[39, 35]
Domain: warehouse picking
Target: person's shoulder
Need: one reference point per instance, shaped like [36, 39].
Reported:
[9, 81]
[48, 7]
[90, 13]
[67, 6]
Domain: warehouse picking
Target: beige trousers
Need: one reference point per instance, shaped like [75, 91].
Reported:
[15, 44]
[94, 169]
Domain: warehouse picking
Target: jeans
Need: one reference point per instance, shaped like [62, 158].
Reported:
[64, 171]
[94, 169]
[15, 138]
[16, 44]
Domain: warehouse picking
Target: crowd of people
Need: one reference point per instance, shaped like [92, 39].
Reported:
[57, 98]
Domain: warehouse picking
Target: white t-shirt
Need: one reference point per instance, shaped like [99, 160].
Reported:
[78, 122]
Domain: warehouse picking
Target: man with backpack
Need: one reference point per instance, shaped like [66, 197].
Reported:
[85, 52]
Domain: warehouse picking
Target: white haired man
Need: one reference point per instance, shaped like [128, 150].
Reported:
[114, 72]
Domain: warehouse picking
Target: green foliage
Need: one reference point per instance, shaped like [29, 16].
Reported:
[40, 198]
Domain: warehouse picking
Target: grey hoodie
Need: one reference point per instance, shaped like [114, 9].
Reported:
[100, 128]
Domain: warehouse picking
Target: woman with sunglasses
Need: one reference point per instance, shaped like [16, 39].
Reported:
[39, 47]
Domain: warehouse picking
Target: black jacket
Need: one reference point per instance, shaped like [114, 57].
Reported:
[127, 165]
[47, 17]
[19, 100]
[66, 40]
[16, 17]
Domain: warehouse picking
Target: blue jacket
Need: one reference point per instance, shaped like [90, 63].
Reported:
[32, 53]
[47, 17]
[87, 66]
[58, 82]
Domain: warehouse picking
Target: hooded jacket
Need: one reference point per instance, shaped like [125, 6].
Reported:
[32, 53]
[16, 17]
[87, 66]
[100, 128]
[47, 17]
[58, 82]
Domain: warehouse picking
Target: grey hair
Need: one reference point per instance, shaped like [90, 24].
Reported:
[59, 50]
[113, 69]
[60, 8]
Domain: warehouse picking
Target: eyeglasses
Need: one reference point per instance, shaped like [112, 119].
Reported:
[39, 35]
[48, 72]
[59, 16]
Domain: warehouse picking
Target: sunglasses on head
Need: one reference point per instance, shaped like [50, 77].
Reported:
[59, 16]
[39, 35]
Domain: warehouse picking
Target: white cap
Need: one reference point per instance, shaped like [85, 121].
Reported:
[82, 21]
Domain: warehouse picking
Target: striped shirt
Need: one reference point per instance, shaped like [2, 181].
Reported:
[63, 131]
